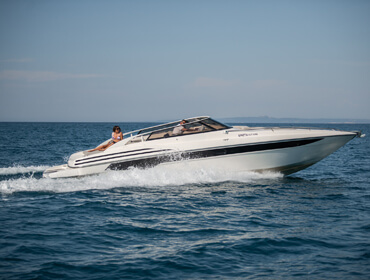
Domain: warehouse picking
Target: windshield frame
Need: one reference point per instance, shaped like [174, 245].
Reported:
[193, 126]
[147, 134]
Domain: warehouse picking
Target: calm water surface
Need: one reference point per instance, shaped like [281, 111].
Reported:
[197, 224]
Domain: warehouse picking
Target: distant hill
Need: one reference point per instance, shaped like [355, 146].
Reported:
[267, 119]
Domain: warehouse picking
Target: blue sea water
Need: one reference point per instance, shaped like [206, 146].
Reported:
[197, 224]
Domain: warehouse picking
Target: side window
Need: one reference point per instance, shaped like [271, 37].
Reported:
[214, 124]
[164, 133]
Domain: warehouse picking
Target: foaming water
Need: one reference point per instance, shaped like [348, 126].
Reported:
[19, 169]
[157, 177]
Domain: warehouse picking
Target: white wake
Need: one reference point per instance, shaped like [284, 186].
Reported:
[158, 177]
[19, 169]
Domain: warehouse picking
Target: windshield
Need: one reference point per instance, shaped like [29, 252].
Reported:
[189, 126]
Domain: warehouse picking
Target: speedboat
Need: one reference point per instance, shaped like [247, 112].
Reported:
[202, 142]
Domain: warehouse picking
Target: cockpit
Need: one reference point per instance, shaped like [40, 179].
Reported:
[179, 128]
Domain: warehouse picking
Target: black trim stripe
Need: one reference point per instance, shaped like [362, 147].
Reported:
[101, 160]
[107, 155]
[170, 157]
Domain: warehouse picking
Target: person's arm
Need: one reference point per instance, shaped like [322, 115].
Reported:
[189, 129]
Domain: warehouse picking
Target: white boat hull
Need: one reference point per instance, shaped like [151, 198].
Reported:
[285, 161]
[284, 150]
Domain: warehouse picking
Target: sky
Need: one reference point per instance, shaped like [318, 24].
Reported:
[137, 60]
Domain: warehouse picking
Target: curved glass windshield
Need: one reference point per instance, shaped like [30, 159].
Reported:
[192, 126]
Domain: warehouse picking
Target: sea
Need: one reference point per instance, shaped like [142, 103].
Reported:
[192, 224]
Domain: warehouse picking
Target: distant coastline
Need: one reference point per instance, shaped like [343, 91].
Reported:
[267, 119]
[229, 120]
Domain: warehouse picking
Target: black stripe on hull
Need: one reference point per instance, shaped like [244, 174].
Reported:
[109, 157]
[153, 161]
[83, 160]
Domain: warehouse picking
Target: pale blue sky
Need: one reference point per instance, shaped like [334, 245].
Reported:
[153, 60]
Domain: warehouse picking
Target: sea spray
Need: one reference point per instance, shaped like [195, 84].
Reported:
[159, 176]
[20, 169]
